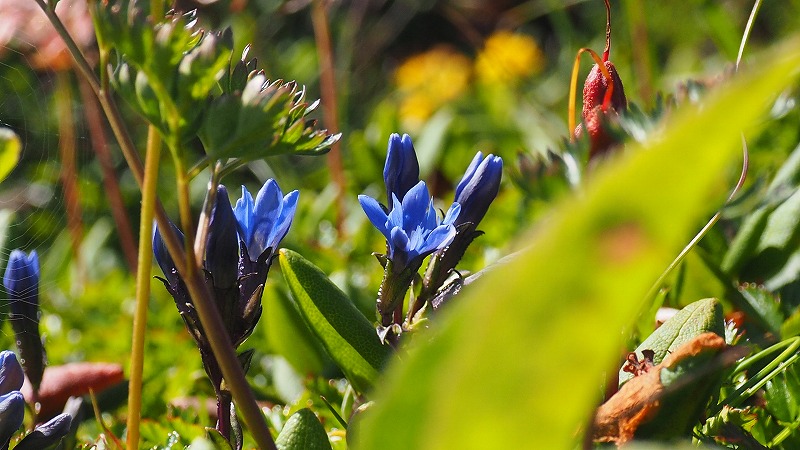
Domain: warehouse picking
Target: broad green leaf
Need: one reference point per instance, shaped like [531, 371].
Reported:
[694, 319]
[303, 432]
[771, 226]
[10, 148]
[289, 336]
[522, 354]
[346, 334]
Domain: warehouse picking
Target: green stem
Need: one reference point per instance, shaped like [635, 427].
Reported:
[788, 357]
[748, 362]
[142, 286]
[209, 317]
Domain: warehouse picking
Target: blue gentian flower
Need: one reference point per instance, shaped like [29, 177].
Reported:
[478, 188]
[12, 413]
[21, 281]
[401, 171]
[11, 375]
[412, 228]
[222, 244]
[263, 223]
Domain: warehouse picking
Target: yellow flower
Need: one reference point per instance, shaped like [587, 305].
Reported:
[428, 80]
[507, 57]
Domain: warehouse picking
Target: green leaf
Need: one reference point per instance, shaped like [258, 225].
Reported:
[289, 336]
[768, 234]
[10, 148]
[523, 351]
[346, 334]
[303, 431]
[694, 319]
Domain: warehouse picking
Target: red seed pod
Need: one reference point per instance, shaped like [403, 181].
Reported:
[603, 98]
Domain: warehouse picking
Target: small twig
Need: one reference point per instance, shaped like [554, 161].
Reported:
[69, 170]
[94, 121]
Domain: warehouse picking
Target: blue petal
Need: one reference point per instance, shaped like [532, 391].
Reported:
[375, 214]
[12, 413]
[452, 214]
[430, 221]
[268, 204]
[401, 170]
[398, 242]
[222, 244]
[395, 218]
[469, 173]
[480, 191]
[11, 374]
[284, 219]
[439, 238]
[415, 206]
[244, 215]
[22, 275]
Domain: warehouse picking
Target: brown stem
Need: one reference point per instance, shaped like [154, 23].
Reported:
[94, 120]
[69, 170]
[322, 35]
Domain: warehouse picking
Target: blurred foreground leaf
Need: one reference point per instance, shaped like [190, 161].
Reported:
[518, 362]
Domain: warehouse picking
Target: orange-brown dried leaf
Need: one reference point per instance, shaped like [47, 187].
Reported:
[59, 383]
[639, 400]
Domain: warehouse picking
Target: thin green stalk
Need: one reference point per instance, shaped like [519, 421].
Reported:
[209, 317]
[788, 357]
[792, 343]
[142, 286]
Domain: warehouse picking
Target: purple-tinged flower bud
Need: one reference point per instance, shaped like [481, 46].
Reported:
[21, 281]
[478, 188]
[48, 434]
[11, 375]
[222, 246]
[401, 171]
[12, 412]
[163, 257]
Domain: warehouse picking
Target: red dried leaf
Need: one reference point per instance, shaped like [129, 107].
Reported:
[71, 380]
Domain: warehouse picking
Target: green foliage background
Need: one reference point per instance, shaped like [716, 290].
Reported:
[503, 367]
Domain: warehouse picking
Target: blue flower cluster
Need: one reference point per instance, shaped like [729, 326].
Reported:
[413, 229]
[240, 247]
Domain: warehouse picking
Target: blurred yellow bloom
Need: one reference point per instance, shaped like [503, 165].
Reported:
[429, 80]
[507, 57]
